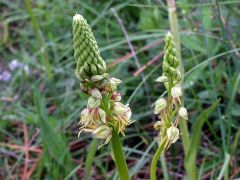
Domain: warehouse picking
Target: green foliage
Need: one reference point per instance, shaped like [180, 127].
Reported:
[55, 146]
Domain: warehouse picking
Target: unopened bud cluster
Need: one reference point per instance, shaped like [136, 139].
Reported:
[104, 112]
[170, 110]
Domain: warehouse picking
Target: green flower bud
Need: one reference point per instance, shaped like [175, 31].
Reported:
[86, 51]
[96, 78]
[170, 61]
[182, 112]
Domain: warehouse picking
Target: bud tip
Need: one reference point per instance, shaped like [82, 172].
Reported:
[77, 17]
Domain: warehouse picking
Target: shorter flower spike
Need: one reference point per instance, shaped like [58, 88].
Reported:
[167, 109]
[104, 113]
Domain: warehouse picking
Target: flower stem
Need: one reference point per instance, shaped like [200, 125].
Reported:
[119, 158]
[155, 159]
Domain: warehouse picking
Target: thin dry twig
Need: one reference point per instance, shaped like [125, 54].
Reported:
[130, 55]
[25, 169]
[153, 60]
[21, 148]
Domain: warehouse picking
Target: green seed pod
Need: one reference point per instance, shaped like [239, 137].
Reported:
[170, 61]
[86, 51]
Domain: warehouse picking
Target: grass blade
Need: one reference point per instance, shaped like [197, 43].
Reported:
[191, 155]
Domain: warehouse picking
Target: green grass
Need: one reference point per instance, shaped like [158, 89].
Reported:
[49, 101]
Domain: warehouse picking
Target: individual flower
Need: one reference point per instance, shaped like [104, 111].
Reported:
[119, 108]
[162, 79]
[160, 104]
[158, 125]
[116, 96]
[176, 92]
[96, 93]
[93, 102]
[103, 132]
[122, 116]
[91, 118]
[111, 84]
[182, 112]
[172, 134]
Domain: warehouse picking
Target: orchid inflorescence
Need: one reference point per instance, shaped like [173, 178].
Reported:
[104, 112]
[171, 110]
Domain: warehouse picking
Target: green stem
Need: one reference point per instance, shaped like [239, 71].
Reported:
[155, 159]
[118, 156]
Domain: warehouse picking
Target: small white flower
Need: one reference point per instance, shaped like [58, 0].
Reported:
[128, 115]
[162, 79]
[96, 93]
[115, 81]
[93, 102]
[182, 112]
[173, 134]
[160, 104]
[176, 92]
[102, 132]
[86, 117]
[102, 115]
[119, 108]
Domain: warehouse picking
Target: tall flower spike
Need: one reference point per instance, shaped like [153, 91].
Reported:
[86, 51]
[170, 61]
[167, 109]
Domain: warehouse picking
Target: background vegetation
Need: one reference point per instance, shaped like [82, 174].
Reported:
[41, 100]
